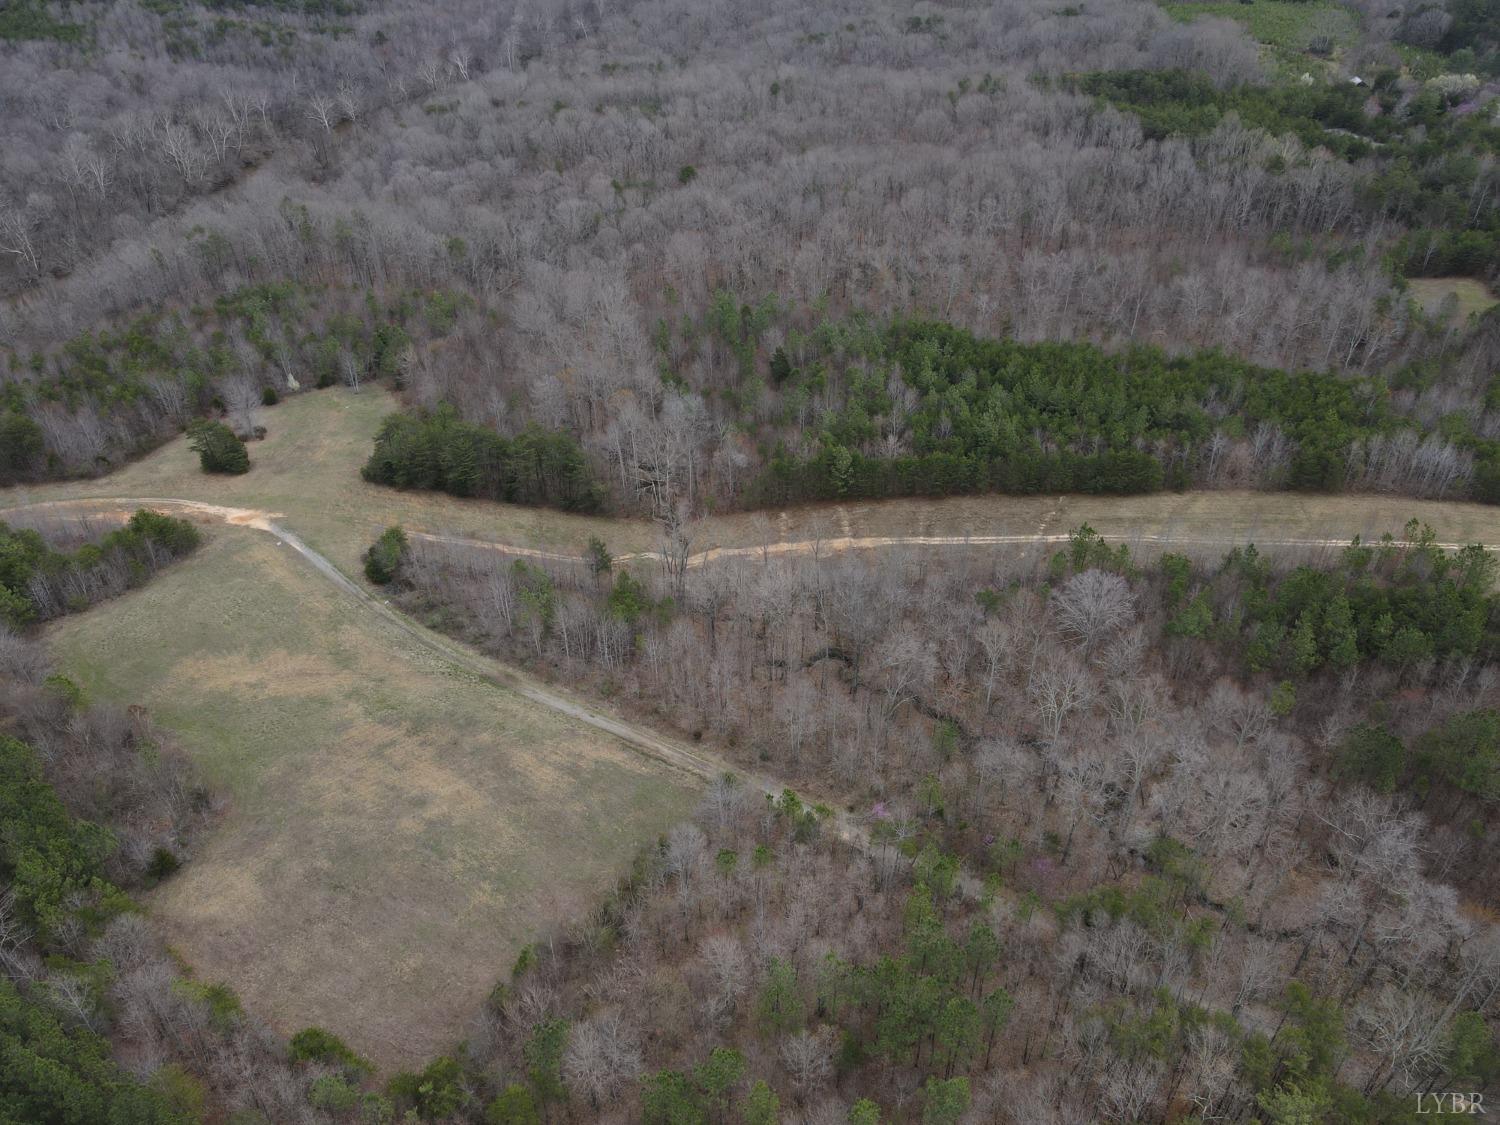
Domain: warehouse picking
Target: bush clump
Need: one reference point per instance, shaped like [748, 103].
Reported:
[218, 449]
[384, 557]
[440, 451]
[315, 1044]
[38, 583]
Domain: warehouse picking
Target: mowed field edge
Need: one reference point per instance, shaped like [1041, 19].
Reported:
[306, 474]
[397, 827]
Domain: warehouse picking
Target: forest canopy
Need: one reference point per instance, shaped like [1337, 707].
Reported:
[1099, 834]
[1012, 417]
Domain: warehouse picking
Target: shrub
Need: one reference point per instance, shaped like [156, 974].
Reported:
[314, 1044]
[176, 536]
[333, 1093]
[384, 557]
[20, 446]
[435, 1093]
[218, 450]
[1465, 752]
[1375, 756]
[55, 1072]
[181, 1091]
[38, 583]
[163, 864]
[269, 397]
[49, 860]
[543, 1053]
[225, 1012]
[600, 560]
[514, 1106]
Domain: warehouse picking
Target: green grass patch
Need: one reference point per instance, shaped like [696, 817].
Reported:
[1287, 27]
[1470, 296]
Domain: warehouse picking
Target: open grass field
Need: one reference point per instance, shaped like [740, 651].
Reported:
[397, 827]
[307, 471]
[1473, 296]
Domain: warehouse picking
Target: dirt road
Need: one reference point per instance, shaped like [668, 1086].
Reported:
[838, 544]
[642, 739]
[663, 749]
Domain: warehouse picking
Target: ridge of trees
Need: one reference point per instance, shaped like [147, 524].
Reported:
[976, 414]
[1404, 602]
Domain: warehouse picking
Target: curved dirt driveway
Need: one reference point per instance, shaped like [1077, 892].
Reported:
[662, 749]
[644, 740]
[482, 666]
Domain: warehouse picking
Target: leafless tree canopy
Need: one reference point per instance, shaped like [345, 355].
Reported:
[532, 157]
[1054, 846]
[1060, 740]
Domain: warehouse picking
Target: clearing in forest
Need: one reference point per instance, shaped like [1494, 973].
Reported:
[397, 828]
[1470, 296]
[306, 473]
[1301, 33]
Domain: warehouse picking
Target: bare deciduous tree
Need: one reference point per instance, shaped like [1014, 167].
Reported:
[1092, 605]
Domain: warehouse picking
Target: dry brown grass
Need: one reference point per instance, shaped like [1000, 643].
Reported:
[398, 828]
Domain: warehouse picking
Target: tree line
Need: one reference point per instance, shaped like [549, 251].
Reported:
[58, 1070]
[926, 408]
[1405, 603]
[438, 450]
[39, 582]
